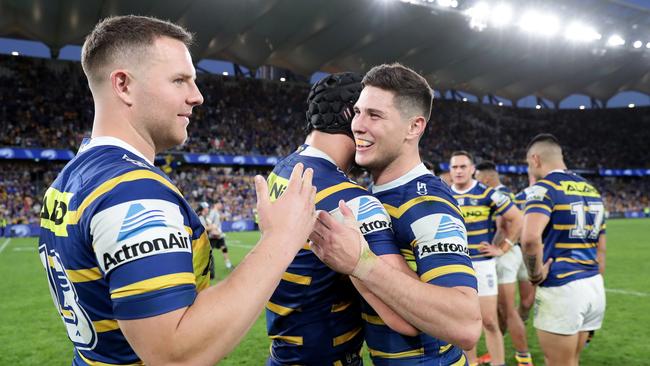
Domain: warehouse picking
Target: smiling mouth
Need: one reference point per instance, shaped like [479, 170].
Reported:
[362, 144]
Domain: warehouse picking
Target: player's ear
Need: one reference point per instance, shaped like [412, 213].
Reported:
[416, 127]
[121, 85]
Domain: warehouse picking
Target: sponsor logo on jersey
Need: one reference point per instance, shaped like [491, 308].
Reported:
[372, 226]
[130, 252]
[579, 189]
[499, 198]
[55, 211]
[535, 193]
[439, 234]
[369, 208]
[138, 220]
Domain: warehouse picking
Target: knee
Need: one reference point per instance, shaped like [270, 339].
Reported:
[490, 323]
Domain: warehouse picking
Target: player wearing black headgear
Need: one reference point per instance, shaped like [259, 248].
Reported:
[314, 315]
[331, 101]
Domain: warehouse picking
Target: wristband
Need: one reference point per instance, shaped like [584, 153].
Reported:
[366, 260]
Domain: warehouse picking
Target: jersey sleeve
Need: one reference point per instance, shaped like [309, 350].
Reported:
[501, 201]
[439, 242]
[144, 249]
[539, 200]
[374, 223]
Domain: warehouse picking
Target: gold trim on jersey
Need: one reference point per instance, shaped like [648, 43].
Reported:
[444, 349]
[297, 340]
[340, 306]
[279, 309]
[153, 284]
[398, 212]
[412, 353]
[97, 363]
[347, 336]
[477, 232]
[296, 278]
[572, 260]
[335, 188]
[84, 275]
[539, 205]
[372, 319]
[461, 361]
[105, 325]
[112, 183]
[570, 226]
[444, 270]
[562, 275]
[575, 245]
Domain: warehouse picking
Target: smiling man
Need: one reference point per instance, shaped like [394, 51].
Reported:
[125, 255]
[390, 117]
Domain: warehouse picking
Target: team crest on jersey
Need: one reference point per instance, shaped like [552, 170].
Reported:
[461, 201]
[135, 162]
[422, 188]
[473, 202]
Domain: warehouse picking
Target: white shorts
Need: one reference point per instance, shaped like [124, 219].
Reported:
[510, 267]
[486, 276]
[577, 306]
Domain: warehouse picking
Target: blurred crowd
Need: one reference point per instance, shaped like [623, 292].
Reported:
[252, 116]
[46, 103]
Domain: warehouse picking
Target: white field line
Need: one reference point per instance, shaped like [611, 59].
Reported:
[25, 249]
[4, 244]
[627, 292]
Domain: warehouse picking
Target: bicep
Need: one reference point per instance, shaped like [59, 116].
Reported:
[534, 224]
[151, 336]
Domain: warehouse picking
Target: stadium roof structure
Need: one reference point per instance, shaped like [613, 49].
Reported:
[305, 36]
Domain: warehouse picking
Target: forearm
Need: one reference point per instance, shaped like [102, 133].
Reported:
[600, 254]
[220, 316]
[387, 315]
[532, 249]
[450, 314]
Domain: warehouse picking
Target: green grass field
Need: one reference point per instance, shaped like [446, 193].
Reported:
[31, 333]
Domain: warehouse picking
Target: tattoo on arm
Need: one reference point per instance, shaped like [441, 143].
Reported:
[534, 273]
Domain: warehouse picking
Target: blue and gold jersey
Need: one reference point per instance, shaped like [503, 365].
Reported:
[118, 241]
[520, 199]
[314, 316]
[479, 205]
[577, 219]
[430, 232]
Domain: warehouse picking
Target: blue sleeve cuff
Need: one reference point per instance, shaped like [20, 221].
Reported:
[154, 303]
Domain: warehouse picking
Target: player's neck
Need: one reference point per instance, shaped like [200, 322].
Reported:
[338, 146]
[110, 122]
[396, 169]
[464, 186]
[548, 168]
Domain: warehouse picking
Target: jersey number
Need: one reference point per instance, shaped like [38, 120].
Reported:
[578, 210]
[77, 323]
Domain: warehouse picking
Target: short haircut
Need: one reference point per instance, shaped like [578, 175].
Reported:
[463, 153]
[412, 92]
[128, 34]
[486, 165]
[545, 138]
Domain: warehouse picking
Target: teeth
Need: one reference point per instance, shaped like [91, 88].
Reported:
[363, 143]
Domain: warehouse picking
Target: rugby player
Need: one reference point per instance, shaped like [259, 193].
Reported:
[216, 236]
[479, 205]
[563, 242]
[390, 117]
[125, 255]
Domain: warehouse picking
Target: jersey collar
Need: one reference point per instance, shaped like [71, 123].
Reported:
[474, 183]
[112, 141]
[418, 171]
[315, 153]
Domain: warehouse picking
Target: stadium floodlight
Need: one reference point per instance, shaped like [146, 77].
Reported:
[464, 99]
[501, 15]
[647, 45]
[500, 104]
[225, 73]
[15, 53]
[543, 24]
[579, 32]
[538, 107]
[581, 107]
[631, 105]
[282, 79]
[637, 44]
[615, 41]
[478, 16]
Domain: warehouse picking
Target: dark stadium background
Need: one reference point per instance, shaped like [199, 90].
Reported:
[271, 52]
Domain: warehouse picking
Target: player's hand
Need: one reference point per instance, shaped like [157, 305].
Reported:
[536, 280]
[491, 250]
[341, 245]
[292, 216]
